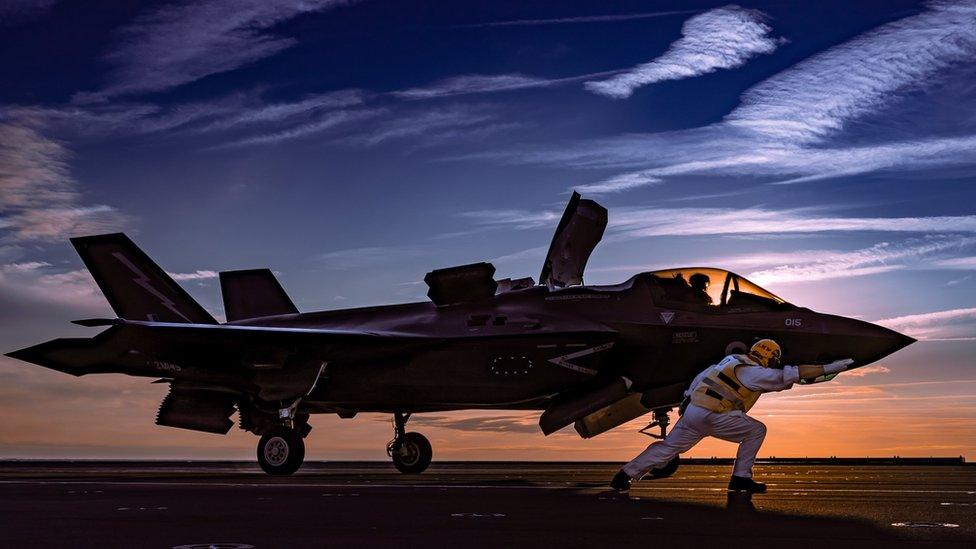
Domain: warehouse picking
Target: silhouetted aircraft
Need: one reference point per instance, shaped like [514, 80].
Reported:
[596, 356]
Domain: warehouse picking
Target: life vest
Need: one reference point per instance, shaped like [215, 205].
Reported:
[721, 391]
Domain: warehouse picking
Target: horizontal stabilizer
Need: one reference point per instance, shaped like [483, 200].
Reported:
[77, 356]
[253, 293]
[136, 288]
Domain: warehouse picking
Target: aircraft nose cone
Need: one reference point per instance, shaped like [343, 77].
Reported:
[873, 342]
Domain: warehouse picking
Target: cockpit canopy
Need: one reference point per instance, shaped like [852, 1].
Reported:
[711, 289]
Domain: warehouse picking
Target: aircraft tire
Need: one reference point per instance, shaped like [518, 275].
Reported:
[412, 453]
[664, 472]
[281, 451]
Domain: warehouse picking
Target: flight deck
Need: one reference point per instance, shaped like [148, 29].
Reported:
[493, 504]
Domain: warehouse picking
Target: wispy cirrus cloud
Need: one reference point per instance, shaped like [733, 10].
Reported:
[236, 114]
[816, 97]
[327, 121]
[722, 38]
[470, 84]
[39, 197]
[432, 126]
[882, 257]
[954, 324]
[475, 83]
[790, 128]
[34, 282]
[639, 222]
[195, 275]
[962, 263]
[179, 43]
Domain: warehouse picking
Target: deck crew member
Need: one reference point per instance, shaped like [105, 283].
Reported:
[717, 404]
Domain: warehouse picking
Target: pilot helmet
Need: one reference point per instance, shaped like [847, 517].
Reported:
[699, 281]
[767, 353]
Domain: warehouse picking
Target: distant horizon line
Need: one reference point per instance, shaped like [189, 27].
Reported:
[887, 460]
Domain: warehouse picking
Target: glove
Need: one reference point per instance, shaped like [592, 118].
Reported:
[837, 366]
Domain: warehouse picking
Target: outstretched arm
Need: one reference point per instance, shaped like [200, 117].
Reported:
[815, 371]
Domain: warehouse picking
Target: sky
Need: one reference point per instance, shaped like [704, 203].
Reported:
[825, 150]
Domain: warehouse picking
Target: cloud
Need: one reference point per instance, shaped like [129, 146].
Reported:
[618, 183]
[431, 127]
[236, 112]
[475, 83]
[873, 369]
[639, 222]
[37, 285]
[195, 275]
[789, 128]
[490, 83]
[324, 123]
[582, 19]
[961, 263]
[816, 97]
[642, 222]
[882, 257]
[39, 199]
[179, 43]
[954, 324]
[265, 113]
[722, 38]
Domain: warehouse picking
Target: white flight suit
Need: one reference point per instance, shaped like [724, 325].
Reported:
[734, 426]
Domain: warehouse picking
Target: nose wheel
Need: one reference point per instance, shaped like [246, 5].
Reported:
[281, 451]
[411, 452]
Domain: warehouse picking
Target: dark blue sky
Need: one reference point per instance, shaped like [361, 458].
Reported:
[824, 149]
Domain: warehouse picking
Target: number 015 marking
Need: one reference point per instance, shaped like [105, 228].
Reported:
[794, 322]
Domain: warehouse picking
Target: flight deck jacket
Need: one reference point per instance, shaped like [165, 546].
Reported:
[721, 391]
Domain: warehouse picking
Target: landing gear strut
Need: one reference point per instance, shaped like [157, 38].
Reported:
[662, 421]
[411, 452]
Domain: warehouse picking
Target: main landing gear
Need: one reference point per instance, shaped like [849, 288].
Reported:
[281, 450]
[661, 420]
[411, 452]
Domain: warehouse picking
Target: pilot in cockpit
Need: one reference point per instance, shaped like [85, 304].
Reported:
[699, 283]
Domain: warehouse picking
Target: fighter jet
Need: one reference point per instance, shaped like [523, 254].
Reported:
[592, 356]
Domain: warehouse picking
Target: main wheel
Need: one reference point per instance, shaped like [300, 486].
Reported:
[667, 470]
[412, 453]
[281, 451]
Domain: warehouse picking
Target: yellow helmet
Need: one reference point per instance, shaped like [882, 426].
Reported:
[767, 353]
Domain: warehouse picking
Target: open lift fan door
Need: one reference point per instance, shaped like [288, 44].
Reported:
[207, 411]
[578, 233]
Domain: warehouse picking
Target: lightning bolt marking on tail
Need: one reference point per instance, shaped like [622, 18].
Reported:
[144, 281]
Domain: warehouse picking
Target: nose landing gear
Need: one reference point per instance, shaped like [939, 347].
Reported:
[662, 421]
[411, 452]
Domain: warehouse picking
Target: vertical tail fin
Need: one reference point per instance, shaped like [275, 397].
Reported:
[253, 293]
[136, 288]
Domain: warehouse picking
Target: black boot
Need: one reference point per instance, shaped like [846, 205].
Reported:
[746, 484]
[621, 481]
